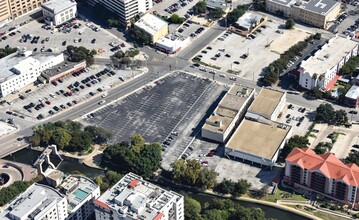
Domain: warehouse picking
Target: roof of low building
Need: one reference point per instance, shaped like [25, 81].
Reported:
[327, 163]
[353, 92]
[317, 6]
[266, 101]
[246, 20]
[260, 138]
[151, 23]
[57, 6]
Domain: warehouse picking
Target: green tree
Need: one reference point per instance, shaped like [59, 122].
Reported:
[112, 22]
[126, 61]
[317, 36]
[132, 53]
[192, 209]
[353, 157]
[179, 169]
[137, 142]
[216, 214]
[350, 66]
[236, 13]
[227, 186]
[77, 54]
[61, 138]
[175, 19]
[99, 135]
[200, 8]
[7, 51]
[289, 24]
[119, 54]
[325, 113]
[341, 117]
[7, 194]
[241, 187]
[207, 179]
[295, 141]
[317, 92]
[81, 141]
[216, 13]
[323, 147]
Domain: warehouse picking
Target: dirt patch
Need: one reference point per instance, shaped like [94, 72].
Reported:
[287, 40]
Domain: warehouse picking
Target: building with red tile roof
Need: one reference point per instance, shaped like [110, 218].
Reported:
[324, 174]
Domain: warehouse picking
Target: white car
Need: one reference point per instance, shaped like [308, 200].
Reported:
[212, 71]
[102, 102]
[222, 75]
[203, 69]
[104, 95]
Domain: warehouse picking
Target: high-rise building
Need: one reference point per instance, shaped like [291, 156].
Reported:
[125, 9]
[134, 198]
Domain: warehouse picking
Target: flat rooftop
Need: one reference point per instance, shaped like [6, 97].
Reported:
[247, 19]
[57, 6]
[21, 62]
[217, 4]
[329, 56]
[137, 197]
[260, 138]
[353, 92]
[266, 101]
[59, 68]
[151, 23]
[317, 6]
[228, 108]
[32, 202]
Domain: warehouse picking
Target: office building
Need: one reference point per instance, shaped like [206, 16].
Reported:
[11, 9]
[153, 26]
[37, 202]
[57, 12]
[222, 4]
[323, 174]
[5, 14]
[268, 104]
[22, 68]
[258, 141]
[321, 70]
[319, 13]
[125, 9]
[248, 21]
[229, 112]
[134, 198]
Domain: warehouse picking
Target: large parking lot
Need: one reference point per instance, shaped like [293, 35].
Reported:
[49, 99]
[153, 111]
[58, 41]
[242, 59]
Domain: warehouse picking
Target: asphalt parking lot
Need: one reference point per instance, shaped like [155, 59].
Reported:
[298, 117]
[227, 57]
[68, 92]
[188, 28]
[153, 111]
[57, 39]
[181, 9]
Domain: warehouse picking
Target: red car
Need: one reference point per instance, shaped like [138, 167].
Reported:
[210, 154]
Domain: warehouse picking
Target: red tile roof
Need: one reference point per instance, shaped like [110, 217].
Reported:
[330, 85]
[133, 183]
[158, 216]
[327, 163]
[101, 204]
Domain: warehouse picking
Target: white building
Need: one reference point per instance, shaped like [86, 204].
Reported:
[268, 104]
[56, 12]
[126, 9]
[134, 198]
[154, 26]
[172, 44]
[71, 200]
[37, 202]
[229, 112]
[321, 69]
[22, 68]
[248, 21]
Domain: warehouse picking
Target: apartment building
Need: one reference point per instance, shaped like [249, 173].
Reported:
[319, 13]
[125, 9]
[5, 15]
[324, 174]
[56, 12]
[229, 112]
[134, 198]
[21, 7]
[37, 202]
[22, 68]
[321, 70]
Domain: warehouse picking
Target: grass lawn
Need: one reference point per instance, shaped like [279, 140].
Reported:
[326, 216]
[280, 191]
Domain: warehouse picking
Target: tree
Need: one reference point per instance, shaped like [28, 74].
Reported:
[77, 54]
[7, 51]
[207, 179]
[295, 141]
[119, 54]
[317, 36]
[125, 61]
[350, 66]
[7, 194]
[289, 24]
[341, 117]
[317, 93]
[325, 113]
[241, 187]
[323, 147]
[175, 19]
[233, 16]
[139, 36]
[99, 135]
[353, 157]
[61, 138]
[215, 13]
[132, 53]
[192, 209]
[225, 187]
[200, 8]
[81, 141]
[112, 22]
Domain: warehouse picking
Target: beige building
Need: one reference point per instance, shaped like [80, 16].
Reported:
[258, 141]
[319, 13]
[268, 104]
[11, 9]
[154, 26]
[228, 113]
